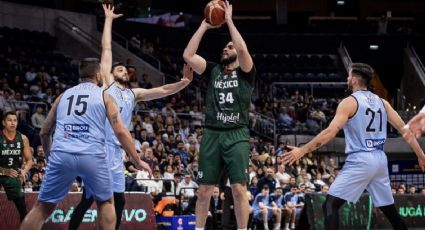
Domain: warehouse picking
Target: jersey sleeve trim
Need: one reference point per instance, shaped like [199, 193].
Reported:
[357, 107]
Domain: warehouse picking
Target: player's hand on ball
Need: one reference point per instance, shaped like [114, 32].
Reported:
[208, 26]
[187, 73]
[109, 11]
[228, 11]
[292, 156]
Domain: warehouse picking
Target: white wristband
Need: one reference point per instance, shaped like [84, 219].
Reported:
[422, 110]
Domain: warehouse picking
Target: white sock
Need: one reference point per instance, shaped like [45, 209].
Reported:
[199, 228]
[241, 228]
[277, 226]
[266, 226]
[293, 225]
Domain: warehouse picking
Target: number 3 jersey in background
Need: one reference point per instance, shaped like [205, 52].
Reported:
[80, 121]
[11, 151]
[366, 131]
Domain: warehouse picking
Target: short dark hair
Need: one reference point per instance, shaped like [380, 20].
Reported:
[88, 67]
[364, 71]
[8, 113]
[116, 64]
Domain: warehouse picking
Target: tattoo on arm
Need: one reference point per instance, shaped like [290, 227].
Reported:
[114, 118]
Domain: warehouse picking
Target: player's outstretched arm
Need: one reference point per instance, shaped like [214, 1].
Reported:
[122, 133]
[345, 110]
[245, 59]
[395, 120]
[106, 59]
[195, 61]
[48, 128]
[165, 90]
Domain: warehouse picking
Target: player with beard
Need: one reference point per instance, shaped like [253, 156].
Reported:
[363, 115]
[116, 82]
[224, 144]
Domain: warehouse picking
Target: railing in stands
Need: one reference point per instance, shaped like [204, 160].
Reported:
[86, 36]
[263, 126]
[345, 56]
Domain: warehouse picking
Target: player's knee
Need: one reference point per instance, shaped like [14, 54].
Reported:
[205, 192]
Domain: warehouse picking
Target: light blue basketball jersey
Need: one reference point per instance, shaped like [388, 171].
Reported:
[80, 121]
[124, 98]
[366, 131]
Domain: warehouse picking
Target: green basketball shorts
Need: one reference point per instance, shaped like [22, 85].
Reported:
[12, 187]
[224, 150]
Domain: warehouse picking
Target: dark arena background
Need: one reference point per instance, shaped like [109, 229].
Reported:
[302, 50]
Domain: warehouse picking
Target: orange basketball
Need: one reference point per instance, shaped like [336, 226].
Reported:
[214, 12]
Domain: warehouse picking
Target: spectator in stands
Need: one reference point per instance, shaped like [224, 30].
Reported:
[401, 190]
[30, 75]
[5, 105]
[331, 166]
[318, 116]
[156, 182]
[269, 180]
[281, 174]
[38, 118]
[22, 108]
[265, 208]
[197, 116]
[323, 170]
[150, 159]
[187, 187]
[35, 182]
[318, 180]
[324, 189]
[412, 189]
[253, 186]
[294, 204]
[215, 211]
[422, 191]
[279, 199]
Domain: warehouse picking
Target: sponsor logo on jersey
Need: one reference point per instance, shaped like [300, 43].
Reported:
[231, 118]
[79, 128]
[375, 143]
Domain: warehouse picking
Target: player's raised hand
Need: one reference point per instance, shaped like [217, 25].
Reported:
[109, 11]
[208, 26]
[228, 11]
[187, 73]
[293, 155]
[417, 124]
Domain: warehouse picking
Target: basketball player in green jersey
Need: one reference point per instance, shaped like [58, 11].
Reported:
[13, 146]
[224, 145]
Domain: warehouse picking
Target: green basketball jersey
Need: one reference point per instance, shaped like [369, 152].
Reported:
[228, 97]
[11, 151]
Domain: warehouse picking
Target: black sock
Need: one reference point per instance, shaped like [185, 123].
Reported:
[119, 202]
[394, 217]
[80, 211]
[20, 205]
[331, 212]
